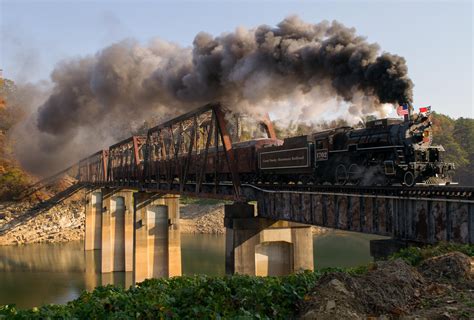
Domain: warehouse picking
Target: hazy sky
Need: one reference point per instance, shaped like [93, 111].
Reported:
[436, 38]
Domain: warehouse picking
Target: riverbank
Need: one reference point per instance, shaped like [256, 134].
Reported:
[25, 222]
[417, 284]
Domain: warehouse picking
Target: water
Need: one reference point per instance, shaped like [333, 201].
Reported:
[38, 274]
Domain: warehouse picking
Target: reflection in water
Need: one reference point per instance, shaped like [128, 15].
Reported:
[43, 257]
[92, 269]
[42, 273]
[38, 274]
[203, 254]
[342, 249]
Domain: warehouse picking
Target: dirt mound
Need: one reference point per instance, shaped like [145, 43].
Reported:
[389, 288]
[441, 288]
[453, 265]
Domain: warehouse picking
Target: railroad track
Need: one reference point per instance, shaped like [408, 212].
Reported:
[450, 192]
[225, 190]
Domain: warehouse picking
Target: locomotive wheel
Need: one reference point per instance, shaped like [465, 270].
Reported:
[449, 176]
[409, 179]
[341, 175]
[304, 179]
[354, 174]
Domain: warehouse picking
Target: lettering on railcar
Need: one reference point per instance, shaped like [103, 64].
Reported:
[282, 159]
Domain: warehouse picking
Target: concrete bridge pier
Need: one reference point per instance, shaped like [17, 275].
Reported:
[93, 232]
[157, 236]
[117, 230]
[265, 247]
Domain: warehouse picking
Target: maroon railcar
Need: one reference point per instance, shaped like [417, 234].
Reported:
[197, 147]
[125, 161]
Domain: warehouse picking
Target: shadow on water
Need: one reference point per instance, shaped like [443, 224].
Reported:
[342, 249]
[38, 274]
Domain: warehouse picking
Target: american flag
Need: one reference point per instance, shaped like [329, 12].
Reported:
[402, 110]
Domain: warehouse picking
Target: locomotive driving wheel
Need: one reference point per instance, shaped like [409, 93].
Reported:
[354, 174]
[341, 175]
[409, 179]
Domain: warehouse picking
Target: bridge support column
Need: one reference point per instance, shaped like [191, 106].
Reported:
[265, 247]
[93, 232]
[157, 236]
[117, 231]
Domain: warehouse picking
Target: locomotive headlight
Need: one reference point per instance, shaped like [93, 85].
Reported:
[426, 136]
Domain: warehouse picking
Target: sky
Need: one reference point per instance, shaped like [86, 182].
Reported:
[435, 37]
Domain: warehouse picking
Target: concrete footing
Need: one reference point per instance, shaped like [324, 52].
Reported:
[117, 231]
[259, 246]
[93, 215]
[157, 239]
[136, 231]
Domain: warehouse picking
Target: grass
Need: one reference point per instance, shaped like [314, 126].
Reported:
[415, 255]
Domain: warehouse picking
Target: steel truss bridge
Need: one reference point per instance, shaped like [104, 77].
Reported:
[179, 156]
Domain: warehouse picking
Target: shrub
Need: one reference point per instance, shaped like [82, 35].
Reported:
[415, 255]
[184, 297]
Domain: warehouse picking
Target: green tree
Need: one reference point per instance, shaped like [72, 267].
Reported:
[456, 137]
[12, 178]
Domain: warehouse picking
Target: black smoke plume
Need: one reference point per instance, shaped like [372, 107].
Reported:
[248, 70]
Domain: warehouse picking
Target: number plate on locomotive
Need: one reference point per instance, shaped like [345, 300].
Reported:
[321, 155]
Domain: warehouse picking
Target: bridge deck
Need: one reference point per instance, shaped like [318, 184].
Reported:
[424, 214]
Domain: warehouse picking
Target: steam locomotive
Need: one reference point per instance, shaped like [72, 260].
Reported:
[385, 152]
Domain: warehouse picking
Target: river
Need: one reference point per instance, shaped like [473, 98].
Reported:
[37, 274]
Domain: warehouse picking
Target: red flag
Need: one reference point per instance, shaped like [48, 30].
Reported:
[425, 109]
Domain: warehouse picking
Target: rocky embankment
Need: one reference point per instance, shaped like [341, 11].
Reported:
[22, 223]
[197, 218]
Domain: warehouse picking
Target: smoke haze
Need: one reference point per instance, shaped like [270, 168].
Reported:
[296, 67]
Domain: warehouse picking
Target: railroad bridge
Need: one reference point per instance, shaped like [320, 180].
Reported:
[133, 190]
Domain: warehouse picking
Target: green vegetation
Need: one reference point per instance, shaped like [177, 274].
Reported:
[13, 179]
[457, 137]
[196, 297]
[415, 255]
